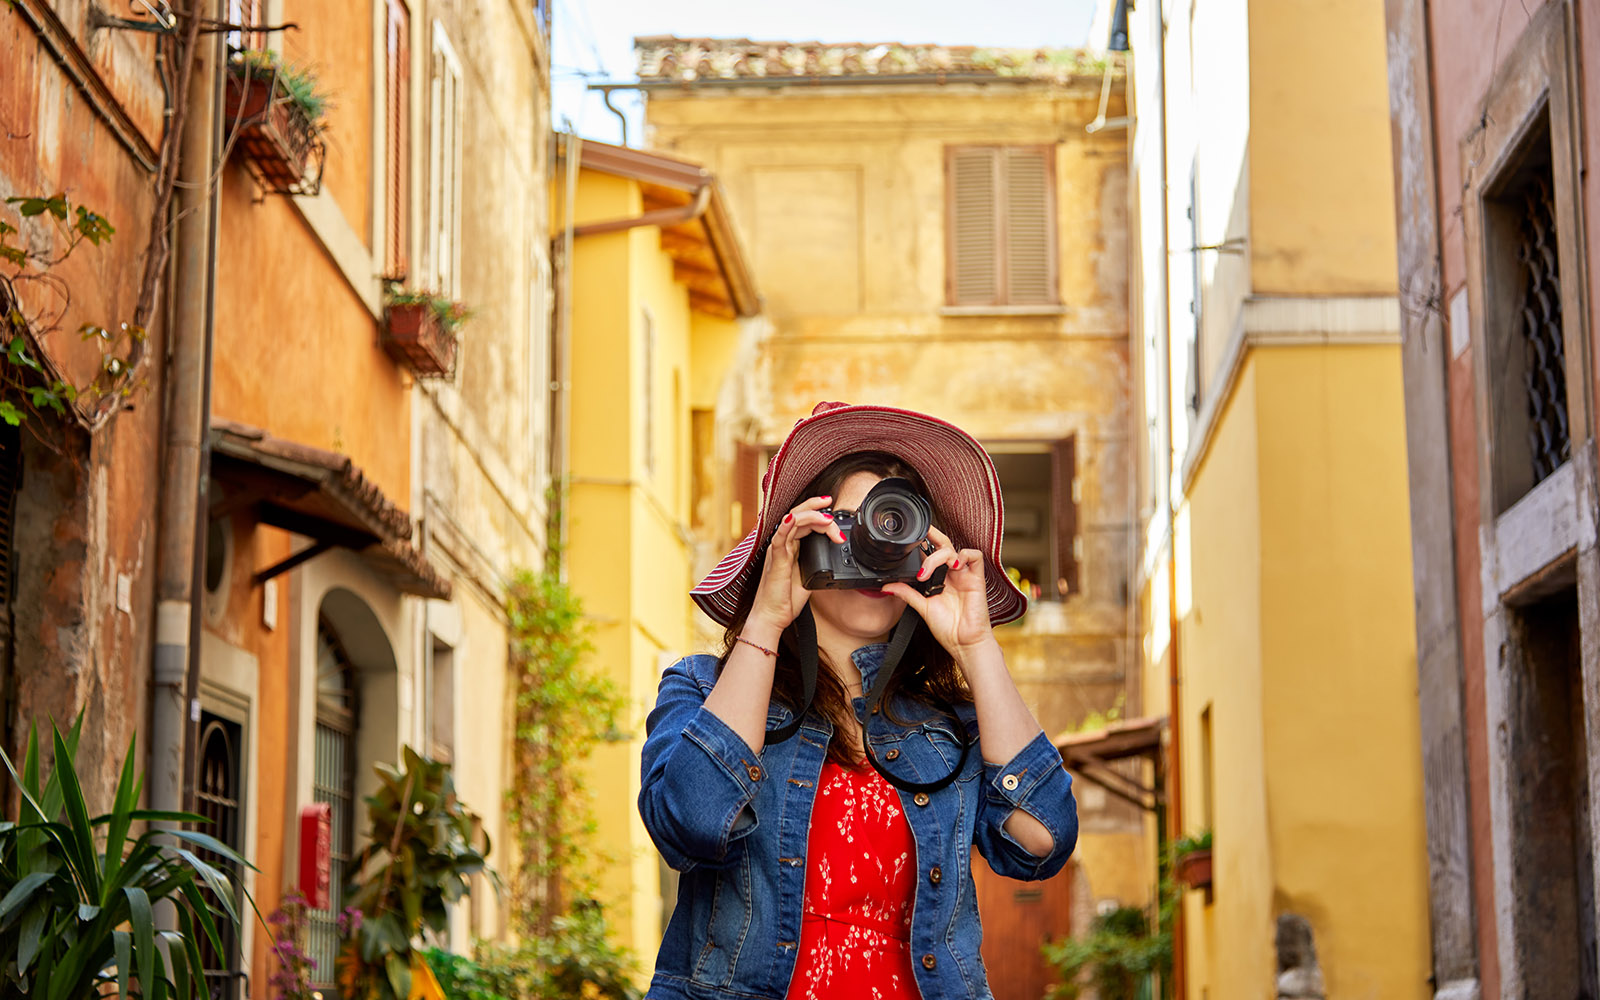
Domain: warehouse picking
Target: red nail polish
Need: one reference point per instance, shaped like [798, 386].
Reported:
[922, 572]
[956, 565]
[827, 515]
[787, 518]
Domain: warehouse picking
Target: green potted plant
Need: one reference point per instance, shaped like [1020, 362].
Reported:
[1192, 860]
[419, 330]
[275, 113]
[79, 893]
[423, 844]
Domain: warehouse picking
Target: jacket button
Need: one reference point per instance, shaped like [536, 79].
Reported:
[1009, 782]
[921, 799]
[755, 773]
[934, 875]
[892, 755]
[928, 961]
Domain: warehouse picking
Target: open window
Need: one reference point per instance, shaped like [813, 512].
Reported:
[1041, 546]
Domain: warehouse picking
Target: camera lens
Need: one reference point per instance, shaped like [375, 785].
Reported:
[892, 521]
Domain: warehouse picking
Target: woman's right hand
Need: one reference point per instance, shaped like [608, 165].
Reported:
[780, 594]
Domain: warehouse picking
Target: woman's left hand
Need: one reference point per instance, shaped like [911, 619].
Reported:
[958, 616]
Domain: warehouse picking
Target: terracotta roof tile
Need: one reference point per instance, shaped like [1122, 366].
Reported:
[668, 58]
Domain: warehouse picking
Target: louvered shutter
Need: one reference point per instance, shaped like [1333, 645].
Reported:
[972, 195]
[397, 139]
[746, 486]
[1029, 227]
[1064, 512]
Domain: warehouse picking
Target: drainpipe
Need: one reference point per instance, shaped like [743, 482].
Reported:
[1174, 775]
[182, 516]
[560, 431]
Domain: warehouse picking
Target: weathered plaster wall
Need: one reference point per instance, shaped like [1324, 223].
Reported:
[85, 513]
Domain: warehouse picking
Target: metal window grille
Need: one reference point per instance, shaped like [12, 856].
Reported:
[1539, 328]
[333, 782]
[218, 798]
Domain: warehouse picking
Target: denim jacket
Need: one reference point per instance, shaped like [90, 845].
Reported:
[735, 823]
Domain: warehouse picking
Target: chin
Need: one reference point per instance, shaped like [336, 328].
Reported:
[860, 615]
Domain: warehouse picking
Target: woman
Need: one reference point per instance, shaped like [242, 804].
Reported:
[836, 863]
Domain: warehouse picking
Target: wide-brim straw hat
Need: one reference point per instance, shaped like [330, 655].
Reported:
[960, 476]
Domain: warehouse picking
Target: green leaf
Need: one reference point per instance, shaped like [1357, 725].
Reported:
[144, 934]
[215, 880]
[209, 843]
[29, 207]
[124, 949]
[121, 816]
[30, 934]
[81, 850]
[15, 255]
[399, 975]
[22, 892]
[202, 910]
[9, 413]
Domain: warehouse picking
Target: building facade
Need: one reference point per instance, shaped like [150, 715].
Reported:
[287, 558]
[1274, 575]
[660, 294]
[945, 229]
[1492, 116]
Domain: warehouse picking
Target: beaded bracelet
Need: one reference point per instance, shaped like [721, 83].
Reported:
[747, 642]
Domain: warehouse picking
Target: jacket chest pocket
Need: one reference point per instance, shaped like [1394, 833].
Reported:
[945, 749]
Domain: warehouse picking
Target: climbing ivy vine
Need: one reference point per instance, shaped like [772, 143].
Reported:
[563, 711]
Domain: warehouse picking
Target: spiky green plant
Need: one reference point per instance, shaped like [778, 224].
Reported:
[78, 894]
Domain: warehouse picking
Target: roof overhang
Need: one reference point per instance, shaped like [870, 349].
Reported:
[707, 256]
[319, 494]
[1090, 755]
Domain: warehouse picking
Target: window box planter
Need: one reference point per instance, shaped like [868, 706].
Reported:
[1194, 869]
[414, 334]
[281, 144]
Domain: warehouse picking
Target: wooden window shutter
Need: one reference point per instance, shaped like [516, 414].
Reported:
[972, 192]
[1001, 229]
[1064, 503]
[746, 486]
[397, 139]
[1029, 226]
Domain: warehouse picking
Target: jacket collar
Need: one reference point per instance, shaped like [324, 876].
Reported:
[868, 659]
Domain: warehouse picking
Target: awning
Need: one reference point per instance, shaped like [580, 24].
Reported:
[319, 494]
[1090, 754]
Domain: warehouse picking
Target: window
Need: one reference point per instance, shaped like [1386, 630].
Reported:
[746, 488]
[334, 782]
[397, 140]
[444, 167]
[1524, 323]
[441, 706]
[1041, 544]
[1000, 228]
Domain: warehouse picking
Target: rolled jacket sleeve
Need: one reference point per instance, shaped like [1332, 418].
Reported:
[699, 777]
[1035, 782]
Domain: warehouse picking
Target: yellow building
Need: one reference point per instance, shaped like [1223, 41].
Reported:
[1275, 581]
[657, 288]
[945, 229]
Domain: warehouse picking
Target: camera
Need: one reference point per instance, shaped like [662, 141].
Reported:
[884, 542]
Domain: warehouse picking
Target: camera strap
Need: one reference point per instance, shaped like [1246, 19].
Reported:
[806, 629]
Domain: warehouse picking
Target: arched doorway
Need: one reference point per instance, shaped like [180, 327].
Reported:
[356, 723]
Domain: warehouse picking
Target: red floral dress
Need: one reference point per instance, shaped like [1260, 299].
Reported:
[860, 881]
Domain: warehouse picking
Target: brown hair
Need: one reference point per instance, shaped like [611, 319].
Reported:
[928, 673]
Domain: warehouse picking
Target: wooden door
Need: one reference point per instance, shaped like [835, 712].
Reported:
[1018, 917]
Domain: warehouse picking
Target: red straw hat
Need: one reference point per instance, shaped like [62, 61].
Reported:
[960, 477]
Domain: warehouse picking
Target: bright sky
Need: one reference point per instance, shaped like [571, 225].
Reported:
[593, 39]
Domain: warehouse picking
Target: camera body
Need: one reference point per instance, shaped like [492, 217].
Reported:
[885, 541]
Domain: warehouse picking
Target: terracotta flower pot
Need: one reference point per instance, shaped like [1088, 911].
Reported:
[1194, 869]
[414, 336]
[272, 132]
